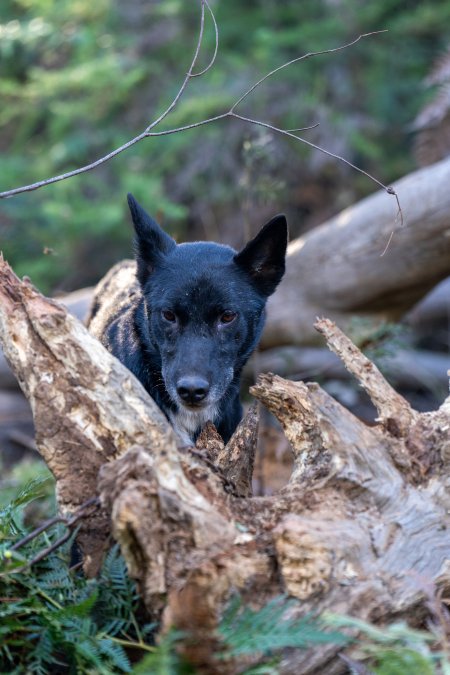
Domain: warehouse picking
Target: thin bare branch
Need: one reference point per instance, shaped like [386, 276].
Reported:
[302, 58]
[385, 250]
[230, 113]
[188, 75]
[186, 127]
[390, 190]
[86, 509]
[312, 126]
[75, 172]
[133, 141]
[216, 48]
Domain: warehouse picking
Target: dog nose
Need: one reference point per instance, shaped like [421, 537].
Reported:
[192, 388]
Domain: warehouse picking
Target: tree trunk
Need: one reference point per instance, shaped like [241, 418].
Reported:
[364, 517]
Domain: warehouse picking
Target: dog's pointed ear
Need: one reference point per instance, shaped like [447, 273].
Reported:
[263, 258]
[151, 242]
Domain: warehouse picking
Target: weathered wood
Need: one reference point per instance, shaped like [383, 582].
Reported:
[86, 405]
[394, 412]
[364, 516]
[210, 441]
[236, 460]
[77, 303]
[339, 534]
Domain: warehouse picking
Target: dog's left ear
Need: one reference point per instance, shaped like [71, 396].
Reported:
[263, 258]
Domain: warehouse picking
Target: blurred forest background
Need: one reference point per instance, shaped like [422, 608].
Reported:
[78, 78]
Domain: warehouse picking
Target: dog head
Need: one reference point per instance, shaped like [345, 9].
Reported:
[204, 306]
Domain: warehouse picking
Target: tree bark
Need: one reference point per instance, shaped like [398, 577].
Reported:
[364, 516]
[77, 303]
[86, 406]
[361, 521]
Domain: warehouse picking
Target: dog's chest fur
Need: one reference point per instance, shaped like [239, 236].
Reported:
[188, 423]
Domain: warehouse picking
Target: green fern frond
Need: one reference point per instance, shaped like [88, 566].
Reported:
[11, 515]
[164, 660]
[273, 627]
[52, 617]
[402, 660]
[394, 649]
[394, 632]
[78, 610]
[87, 651]
[42, 656]
[118, 597]
[115, 653]
[34, 489]
[114, 570]
[57, 578]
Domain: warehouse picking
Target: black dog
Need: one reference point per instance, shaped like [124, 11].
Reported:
[188, 319]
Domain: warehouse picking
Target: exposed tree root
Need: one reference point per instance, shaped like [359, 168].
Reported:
[363, 519]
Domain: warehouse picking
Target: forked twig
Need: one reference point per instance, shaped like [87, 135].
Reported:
[86, 509]
[390, 190]
[230, 113]
[189, 73]
[216, 48]
[303, 58]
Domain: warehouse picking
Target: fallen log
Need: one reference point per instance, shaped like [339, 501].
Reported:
[351, 265]
[364, 515]
[411, 368]
[435, 306]
[358, 524]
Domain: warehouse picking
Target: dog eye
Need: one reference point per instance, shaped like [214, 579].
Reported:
[227, 317]
[169, 315]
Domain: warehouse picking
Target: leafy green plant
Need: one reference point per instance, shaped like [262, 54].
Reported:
[271, 628]
[29, 485]
[164, 660]
[260, 634]
[51, 616]
[14, 512]
[394, 649]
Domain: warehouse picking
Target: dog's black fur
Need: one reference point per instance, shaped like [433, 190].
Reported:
[189, 324]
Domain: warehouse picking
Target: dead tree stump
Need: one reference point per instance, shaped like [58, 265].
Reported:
[364, 517]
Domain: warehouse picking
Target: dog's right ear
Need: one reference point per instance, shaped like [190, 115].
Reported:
[151, 242]
[263, 258]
